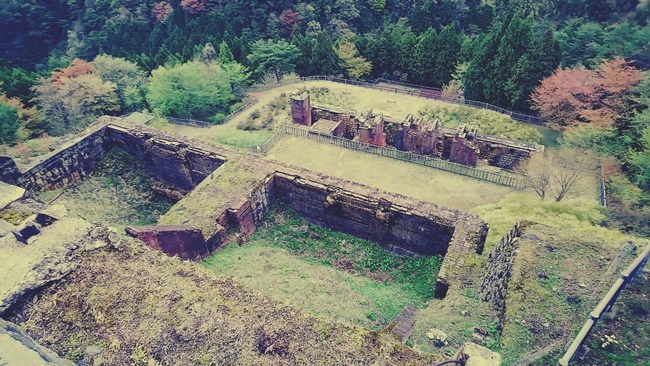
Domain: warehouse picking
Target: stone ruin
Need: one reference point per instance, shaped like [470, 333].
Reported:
[210, 205]
[301, 108]
[222, 193]
[462, 145]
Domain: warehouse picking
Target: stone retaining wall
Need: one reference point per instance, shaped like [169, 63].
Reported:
[239, 197]
[499, 269]
[389, 225]
[67, 167]
[175, 163]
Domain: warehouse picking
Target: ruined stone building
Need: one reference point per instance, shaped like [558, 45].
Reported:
[462, 145]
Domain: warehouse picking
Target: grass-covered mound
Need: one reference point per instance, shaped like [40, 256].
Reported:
[326, 272]
[143, 308]
[118, 192]
[488, 122]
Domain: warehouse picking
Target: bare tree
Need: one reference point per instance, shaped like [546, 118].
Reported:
[557, 173]
[571, 166]
[539, 170]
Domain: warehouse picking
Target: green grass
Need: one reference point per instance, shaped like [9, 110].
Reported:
[240, 138]
[118, 193]
[328, 273]
[411, 180]
[488, 122]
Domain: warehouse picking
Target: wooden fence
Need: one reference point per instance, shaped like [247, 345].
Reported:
[406, 89]
[251, 102]
[189, 122]
[605, 305]
[407, 156]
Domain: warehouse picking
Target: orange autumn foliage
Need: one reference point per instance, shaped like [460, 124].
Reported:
[571, 97]
[78, 67]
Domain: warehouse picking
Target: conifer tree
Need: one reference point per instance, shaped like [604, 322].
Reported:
[324, 57]
[304, 64]
[424, 56]
[225, 54]
[447, 49]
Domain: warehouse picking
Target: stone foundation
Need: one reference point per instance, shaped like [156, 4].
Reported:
[236, 196]
[67, 167]
[174, 164]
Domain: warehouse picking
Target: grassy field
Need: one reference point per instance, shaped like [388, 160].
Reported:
[117, 193]
[426, 184]
[330, 274]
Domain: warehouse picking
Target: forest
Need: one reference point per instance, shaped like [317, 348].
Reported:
[581, 65]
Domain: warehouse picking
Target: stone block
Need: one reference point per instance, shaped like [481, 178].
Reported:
[475, 355]
[9, 172]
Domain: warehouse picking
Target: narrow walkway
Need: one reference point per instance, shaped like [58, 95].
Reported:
[404, 325]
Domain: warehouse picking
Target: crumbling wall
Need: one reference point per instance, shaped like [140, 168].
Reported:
[393, 227]
[68, 166]
[412, 134]
[504, 153]
[301, 108]
[499, 269]
[184, 241]
[174, 163]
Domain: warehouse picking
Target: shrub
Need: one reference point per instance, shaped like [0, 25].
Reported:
[248, 125]
[236, 106]
[159, 122]
[218, 118]
[256, 114]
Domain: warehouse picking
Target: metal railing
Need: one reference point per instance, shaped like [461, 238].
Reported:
[605, 305]
[406, 156]
[406, 89]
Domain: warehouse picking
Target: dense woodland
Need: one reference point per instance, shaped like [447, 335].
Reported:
[580, 64]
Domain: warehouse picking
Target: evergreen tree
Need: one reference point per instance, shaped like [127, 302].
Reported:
[424, 57]
[324, 57]
[225, 54]
[540, 62]
[304, 64]
[278, 57]
[447, 49]
[516, 42]
[406, 58]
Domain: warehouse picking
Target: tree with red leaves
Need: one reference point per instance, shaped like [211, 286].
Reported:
[78, 67]
[289, 19]
[193, 6]
[571, 97]
[161, 11]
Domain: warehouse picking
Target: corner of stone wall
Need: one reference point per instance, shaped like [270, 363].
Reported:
[468, 236]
